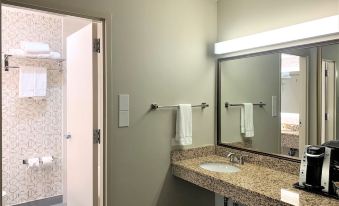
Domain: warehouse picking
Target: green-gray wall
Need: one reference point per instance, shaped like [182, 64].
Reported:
[254, 79]
[237, 18]
[158, 51]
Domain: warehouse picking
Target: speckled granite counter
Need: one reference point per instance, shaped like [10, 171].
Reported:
[290, 139]
[253, 185]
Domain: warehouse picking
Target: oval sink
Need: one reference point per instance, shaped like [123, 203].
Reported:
[219, 167]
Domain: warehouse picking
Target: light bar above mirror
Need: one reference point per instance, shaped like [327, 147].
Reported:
[306, 30]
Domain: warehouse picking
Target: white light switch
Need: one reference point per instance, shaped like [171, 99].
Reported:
[123, 102]
[274, 106]
[123, 118]
[123, 110]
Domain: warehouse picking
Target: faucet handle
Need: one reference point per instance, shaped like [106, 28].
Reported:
[242, 159]
[230, 154]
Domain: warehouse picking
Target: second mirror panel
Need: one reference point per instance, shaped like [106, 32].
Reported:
[292, 97]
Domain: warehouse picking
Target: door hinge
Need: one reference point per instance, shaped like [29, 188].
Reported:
[96, 45]
[326, 116]
[96, 136]
[326, 73]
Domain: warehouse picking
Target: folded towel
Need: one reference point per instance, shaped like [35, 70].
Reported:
[55, 55]
[46, 160]
[26, 81]
[183, 125]
[33, 162]
[34, 47]
[246, 118]
[32, 82]
[40, 82]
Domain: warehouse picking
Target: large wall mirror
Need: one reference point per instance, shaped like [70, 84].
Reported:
[290, 96]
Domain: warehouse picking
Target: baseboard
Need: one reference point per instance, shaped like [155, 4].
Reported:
[43, 202]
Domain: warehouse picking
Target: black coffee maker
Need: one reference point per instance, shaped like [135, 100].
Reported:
[319, 169]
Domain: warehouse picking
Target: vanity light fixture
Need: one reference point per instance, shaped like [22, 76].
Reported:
[310, 29]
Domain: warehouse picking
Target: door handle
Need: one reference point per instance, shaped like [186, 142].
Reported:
[68, 136]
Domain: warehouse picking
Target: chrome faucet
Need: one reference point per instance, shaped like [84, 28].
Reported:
[240, 159]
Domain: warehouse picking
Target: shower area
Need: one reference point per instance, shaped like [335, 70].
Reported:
[38, 104]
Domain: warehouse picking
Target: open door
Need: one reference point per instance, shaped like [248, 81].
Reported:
[328, 101]
[82, 118]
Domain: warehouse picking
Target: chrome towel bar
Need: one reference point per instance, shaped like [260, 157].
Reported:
[260, 104]
[156, 106]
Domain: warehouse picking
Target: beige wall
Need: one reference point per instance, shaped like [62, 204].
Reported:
[157, 52]
[237, 18]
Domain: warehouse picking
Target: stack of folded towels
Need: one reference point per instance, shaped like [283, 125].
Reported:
[35, 49]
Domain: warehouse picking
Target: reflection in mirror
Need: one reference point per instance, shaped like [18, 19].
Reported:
[329, 93]
[251, 80]
[293, 103]
[287, 83]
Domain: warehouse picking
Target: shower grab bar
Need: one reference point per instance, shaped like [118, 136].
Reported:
[260, 104]
[156, 106]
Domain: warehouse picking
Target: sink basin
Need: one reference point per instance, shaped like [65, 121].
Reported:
[219, 167]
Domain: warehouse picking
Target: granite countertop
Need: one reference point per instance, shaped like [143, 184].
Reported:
[253, 185]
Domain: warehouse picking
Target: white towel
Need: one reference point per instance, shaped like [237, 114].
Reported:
[32, 82]
[40, 82]
[246, 118]
[33, 162]
[26, 82]
[183, 125]
[47, 160]
[34, 47]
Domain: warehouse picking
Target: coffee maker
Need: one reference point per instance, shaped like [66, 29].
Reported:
[319, 169]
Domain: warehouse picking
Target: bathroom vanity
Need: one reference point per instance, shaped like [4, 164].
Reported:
[260, 180]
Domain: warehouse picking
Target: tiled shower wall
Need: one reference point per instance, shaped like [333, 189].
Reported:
[31, 127]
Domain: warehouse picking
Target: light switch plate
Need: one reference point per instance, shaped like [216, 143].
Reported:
[124, 102]
[274, 106]
[123, 118]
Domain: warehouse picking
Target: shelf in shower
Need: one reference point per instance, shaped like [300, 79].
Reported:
[30, 57]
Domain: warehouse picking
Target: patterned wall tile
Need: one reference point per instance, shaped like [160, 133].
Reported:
[31, 127]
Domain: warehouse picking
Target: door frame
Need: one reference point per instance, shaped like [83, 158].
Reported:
[102, 80]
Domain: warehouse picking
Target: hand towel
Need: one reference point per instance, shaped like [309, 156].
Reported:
[34, 47]
[55, 55]
[183, 125]
[33, 162]
[246, 118]
[26, 81]
[40, 87]
[47, 160]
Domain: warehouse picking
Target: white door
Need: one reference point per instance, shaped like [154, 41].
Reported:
[82, 152]
[328, 130]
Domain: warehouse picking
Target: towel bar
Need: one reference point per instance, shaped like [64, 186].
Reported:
[156, 106]
[260, 104]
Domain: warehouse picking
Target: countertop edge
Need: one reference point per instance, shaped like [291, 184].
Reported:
[223, 188]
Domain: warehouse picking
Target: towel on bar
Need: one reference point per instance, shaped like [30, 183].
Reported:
[34, 47]
[32, 81]
[183, 125]
[26, 81]
[40, 82]
[246, 118]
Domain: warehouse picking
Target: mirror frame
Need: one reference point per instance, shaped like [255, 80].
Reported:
[280, 50]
